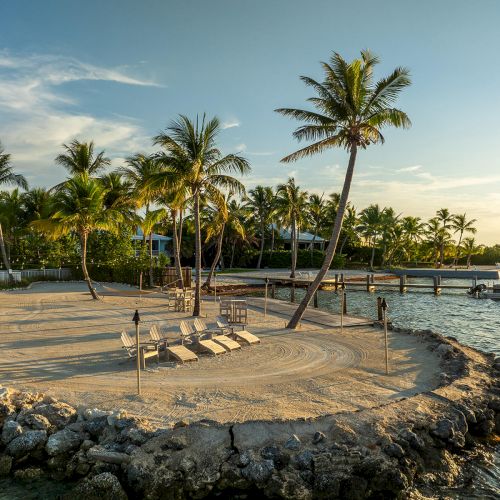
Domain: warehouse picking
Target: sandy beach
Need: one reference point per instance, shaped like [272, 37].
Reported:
[55, 339]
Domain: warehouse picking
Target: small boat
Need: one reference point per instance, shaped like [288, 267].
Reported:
[481, 292]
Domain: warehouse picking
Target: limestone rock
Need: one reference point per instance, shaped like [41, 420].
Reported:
[97, 453]
[279, 457]
[91, 414]
[11, 429]
[293, 443]
[62, 442]
[258, 471]
[444, 349]
[394, 450]
[443, 429]
[29, 474]
[104, 486]
[58, 414]
[36, 421]
[318, 437]
[26, 442]
[5, 465]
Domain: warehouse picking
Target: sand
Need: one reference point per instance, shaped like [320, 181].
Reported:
[55, 339]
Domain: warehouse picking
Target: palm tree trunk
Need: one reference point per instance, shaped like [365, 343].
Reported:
[332, 244]
[457, 255]
[5, 259]
[441, 255]
[177, 253]
[344, 241]
[216, 259]
[232, 254]
[469, 258]
[197, 258]
[312, 246]
[181, 220]
[86, 277]
[294, 249]
[272, 244]
[372, 259]
[262, 229]
[151, 277]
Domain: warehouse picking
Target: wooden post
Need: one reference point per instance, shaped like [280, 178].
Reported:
[316, 299]
[273, 290]
[342, 279]
[215, 286]
[336, 281]
[292, 293]
[368, 289]
[345, 302]
[265, 298]
[342, 305]
[402, 284]
[136, 320]
[437, 288]
[384, 308]
[380, 316]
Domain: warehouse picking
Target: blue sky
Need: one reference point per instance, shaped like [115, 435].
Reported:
[118, 71]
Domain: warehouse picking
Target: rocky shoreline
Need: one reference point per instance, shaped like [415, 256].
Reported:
[411, 446]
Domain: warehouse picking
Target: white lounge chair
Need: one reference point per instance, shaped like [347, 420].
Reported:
[145, 350]
[223, 340]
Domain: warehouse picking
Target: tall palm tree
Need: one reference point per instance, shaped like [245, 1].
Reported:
[260, 201]
[414, 230]
[8, 177]
[79, 207]
[351, 112]
[316, 210]
[461, 225]
[238, 226]
[388, 225]
[191, 158]
[370, 226]
[349, 227]
[444, 216]
[291, 205]
[80, 158]
[147, 225]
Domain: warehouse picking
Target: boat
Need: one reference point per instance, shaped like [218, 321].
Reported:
[481, 292]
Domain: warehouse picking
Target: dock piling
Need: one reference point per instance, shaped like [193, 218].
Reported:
[292, 293]
[316, 299]
[379, 309]
[402, 284]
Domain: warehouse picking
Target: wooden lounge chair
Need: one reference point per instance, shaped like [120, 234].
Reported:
[242, 336]
[145, 350]
[157, 337]
[179, 352]
[223, 340]
[187, 332]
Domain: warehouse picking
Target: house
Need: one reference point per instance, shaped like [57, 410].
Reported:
[304, 239]
[160, 242]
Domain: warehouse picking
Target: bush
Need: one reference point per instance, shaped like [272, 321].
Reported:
[305, 259]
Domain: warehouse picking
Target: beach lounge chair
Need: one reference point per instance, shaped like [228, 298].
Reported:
[204, 345]
[145, 350]
[179, 352]
[242, 336]
[223, 340]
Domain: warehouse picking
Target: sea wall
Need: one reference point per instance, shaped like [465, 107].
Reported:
[414, 443]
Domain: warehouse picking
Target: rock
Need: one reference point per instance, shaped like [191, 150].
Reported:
[104, 486]
[484, 428]
[494, 404]
[36, 421]
[181, 423]
[135, 436]
[413, 440]
[468, 413]
[26, 442]
[304, 460]
[444, 349]
[29, 474]
[91, 414]
[5, 393]
[258, 471]
[96, 426]
[394, 450]
[7, 411]
[279, 457]
[11, 429]
[115, 416]
[293, 443]
[62, 442]
[5, 465]
[58, 414]
[318, 437]
[98, 453]
[87, 444]
[443, 429]
[497, 423]
[49, 399]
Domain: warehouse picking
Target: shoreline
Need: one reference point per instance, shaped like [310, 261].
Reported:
[411, 445]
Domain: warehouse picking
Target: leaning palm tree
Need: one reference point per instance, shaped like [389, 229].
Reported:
[8, 176]
[351, 112]
[80, 158]
[260, 202]
[461, 225]
[191, 159]
[79, 207]
[291, 206]
[471, 248]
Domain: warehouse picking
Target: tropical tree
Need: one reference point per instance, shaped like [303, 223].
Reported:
[351, 112]
[79, 207]
[291, 206]
[80, 158]
[316, 211]
[388, 227]
[414, 230]
[471, 248]
[370, 226]
[191, 159]
[461, 225]
[260, 202]
[446, 219]
[8, 177]
[239, 229]
[349, 227]
[438, 236]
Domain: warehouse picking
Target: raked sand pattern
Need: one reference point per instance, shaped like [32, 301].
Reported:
[55, 339]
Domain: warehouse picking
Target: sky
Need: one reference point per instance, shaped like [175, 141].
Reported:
[118, 71]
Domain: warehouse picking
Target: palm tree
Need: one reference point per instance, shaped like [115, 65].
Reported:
[147, 225]
[238, 226]
[438, 238]
[349, 227]
[80, 158]
[260, 201]
[291, 204]
[444, 216]
[8, 176]
[316, 209]
[388, 225]
[461, 225]
[370, 226]
[191, 159]
[352, 110]
[79, 207]
[414, 229]
[471, 248]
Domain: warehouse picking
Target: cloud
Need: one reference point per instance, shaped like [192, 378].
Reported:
[37, 114]
[413, 168]
[230, 124]
[240, 147]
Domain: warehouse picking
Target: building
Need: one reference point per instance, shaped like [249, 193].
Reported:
[160, 242]
[304, 239]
